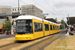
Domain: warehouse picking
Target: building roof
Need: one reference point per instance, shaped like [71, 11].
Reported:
[32, 6]
[51, 19]
[72, 20]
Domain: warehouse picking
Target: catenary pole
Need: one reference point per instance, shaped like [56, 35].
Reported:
[18, 6]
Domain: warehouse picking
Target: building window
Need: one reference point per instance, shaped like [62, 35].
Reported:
[37, 27]
[20, 8]
[13, 9]
[46, 27]
[51, 27]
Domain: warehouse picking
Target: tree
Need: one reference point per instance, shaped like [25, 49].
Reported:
[66, 26]
[6, 25]
[62, 21]
[62, 24]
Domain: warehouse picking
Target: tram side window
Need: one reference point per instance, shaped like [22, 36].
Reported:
[46, 27]
[59, 28]
[56, 28]
[37, 26]
[51, 27]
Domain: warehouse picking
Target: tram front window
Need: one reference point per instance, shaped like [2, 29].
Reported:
[24, 26]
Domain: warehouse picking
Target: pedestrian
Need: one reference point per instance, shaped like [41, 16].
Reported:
[5, 32]
[74, 29]
[10, 31]
[14, 31]
[67, 30]
[71, 30]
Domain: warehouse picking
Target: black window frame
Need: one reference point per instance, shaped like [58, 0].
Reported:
[51, 27]
[29, 30]
[46, 27]
[37, 30]
[56, 27]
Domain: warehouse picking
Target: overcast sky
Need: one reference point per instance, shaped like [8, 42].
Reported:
[55, 8]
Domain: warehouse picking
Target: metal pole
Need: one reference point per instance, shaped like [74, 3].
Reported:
[18, 6]
[68, 19]
[68, 25]
[11, 26]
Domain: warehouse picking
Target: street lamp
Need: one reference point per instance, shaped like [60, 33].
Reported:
[45, 14]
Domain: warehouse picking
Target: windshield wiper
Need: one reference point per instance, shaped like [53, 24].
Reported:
[23, 29]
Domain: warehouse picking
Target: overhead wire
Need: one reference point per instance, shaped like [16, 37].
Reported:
[50, 5]
[43, 7]
[23, 2]
[34, 1]
[56, 6]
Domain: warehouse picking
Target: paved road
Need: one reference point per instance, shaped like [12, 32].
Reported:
[6, 36]
[2, 36]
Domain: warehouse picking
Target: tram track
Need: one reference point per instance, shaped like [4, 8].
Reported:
[39, 45]
[42, 44]
[49, 43]
[27, 43]
[12, 45]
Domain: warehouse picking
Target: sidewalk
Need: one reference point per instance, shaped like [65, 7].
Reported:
[2, 36]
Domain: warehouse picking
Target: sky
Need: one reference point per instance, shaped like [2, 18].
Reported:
[55, 8]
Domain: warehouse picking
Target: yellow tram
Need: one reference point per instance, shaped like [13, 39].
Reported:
[30, 27]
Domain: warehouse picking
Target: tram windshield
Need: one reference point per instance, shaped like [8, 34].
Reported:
[24, 26]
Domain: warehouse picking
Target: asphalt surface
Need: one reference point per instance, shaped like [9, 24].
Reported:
[2, 36]
[36, 45]
[6, 36]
